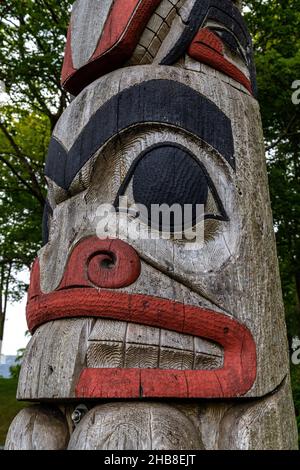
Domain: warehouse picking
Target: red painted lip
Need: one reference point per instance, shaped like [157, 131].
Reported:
[71, 301]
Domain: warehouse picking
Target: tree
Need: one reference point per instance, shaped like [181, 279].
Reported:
[21, 206]
[32, 38]
[275, 26]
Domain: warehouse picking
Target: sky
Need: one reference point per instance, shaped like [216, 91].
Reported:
[15, 325]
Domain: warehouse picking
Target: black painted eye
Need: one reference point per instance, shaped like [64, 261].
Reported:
[231, 42]
[168, 174]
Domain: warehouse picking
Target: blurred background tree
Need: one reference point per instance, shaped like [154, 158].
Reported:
[32, 38]
[275, 26]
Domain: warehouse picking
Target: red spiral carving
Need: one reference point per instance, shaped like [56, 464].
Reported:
[118, 266]
[109, 263]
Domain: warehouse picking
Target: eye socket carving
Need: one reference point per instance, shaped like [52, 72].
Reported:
[169, 174]
[230, 41]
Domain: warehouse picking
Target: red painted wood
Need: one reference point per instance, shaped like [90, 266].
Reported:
[34, 285]
[207, 37]
[209, 49]
[85, 267]
[158, 383]
[107, 383]
[161, 383]
[234, 379]
[68, 69]
[119, 38]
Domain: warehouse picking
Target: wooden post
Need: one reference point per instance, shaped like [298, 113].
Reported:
[165, 113]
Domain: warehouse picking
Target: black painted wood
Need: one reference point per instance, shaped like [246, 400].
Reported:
[155, 101]
[224, 12]
[170, 174]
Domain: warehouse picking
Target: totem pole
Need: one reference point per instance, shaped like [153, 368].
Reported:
[156, 342]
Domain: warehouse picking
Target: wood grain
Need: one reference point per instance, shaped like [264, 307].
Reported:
[40, 427]
[135, 426]
[215, 307]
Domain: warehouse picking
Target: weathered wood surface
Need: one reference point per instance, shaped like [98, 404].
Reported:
[263, 424]
[105, 35]
[61, 350]
[135, 426]
[227, 271]
[39, 427]
[187, 325]
[267, 424]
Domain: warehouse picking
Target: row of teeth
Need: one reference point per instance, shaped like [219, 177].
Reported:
[114, 344]
[155, 32]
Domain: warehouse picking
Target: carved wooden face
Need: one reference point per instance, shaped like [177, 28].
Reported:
[108, 34]
[130, 133]
[178, 319]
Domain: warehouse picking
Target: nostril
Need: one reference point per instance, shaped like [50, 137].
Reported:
[108, 261]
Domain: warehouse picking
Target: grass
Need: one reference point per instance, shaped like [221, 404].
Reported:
[9, 406]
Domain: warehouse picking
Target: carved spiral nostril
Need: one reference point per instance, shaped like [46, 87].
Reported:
[117, 266]
[108, 261]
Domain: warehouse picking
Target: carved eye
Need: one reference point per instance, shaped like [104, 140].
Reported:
[230, 41]
[168, 174]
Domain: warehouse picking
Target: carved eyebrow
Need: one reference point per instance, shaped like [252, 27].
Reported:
[155, 101]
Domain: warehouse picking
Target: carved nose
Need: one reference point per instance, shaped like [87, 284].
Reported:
[114, 265]
[109, 263]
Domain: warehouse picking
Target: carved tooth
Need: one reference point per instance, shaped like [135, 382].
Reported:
[155, 23]
[141, 356]
[146, 38]
[169, 19]
[175, 359]
[138, 55]
[176, 351]
[141, 334]
[203, 362]
[163, 31]
[120, 344]
[164, 9]
[108, 330]
[147, 59]
[207, 347]
[208, 355]
[171, 339]
[154, 46]
[103, 354]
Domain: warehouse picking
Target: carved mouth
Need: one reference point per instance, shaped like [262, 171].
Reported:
[146, 346]
[130, 345]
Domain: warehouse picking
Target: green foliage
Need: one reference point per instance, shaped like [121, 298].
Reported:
[15, 369]
[295, 375]
[275, 26]
[32, 38]
[9, 407]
